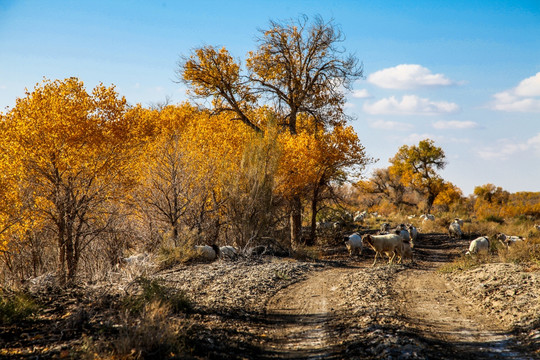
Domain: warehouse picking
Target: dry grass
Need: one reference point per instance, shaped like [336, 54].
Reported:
[16, 307]
[465, 262]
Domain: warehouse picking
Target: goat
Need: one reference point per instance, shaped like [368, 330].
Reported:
[478, 245]
[386, 244]
[354, 244]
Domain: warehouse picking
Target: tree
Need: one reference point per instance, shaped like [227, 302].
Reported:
[417, 166]
[70, 152]
[389, 185]
[297, 68]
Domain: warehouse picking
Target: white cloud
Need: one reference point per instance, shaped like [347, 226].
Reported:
[455, 125]
[408, 76]
[361, 94]
[390, 125]
[410, 105]
[523, 98]
[506, 148]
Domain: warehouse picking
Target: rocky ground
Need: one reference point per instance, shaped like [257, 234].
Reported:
[333, 308]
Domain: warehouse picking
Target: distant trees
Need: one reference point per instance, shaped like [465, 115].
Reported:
[417, 167]
[412, 173]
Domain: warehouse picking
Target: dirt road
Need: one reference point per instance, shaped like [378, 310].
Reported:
[404, 312]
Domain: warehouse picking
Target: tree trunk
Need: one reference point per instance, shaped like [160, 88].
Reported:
[296, 221]
[314, 204]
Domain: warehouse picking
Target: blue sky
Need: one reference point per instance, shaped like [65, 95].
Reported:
[463, 73]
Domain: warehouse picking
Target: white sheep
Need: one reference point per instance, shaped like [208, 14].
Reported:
[228, 252]
[385, 227]
[405, 252]
[354, 244]
[359, 217]
[413, 231]
[427, 217]
[455, 230]
[507, 240]
[402, 231]
[386, 244]
[135, 259]
[479, 245]
[206, 252]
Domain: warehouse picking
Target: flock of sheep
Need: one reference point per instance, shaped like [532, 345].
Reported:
[398, 242]
[394, 242]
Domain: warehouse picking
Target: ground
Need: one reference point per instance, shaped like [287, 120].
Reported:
[334, 308]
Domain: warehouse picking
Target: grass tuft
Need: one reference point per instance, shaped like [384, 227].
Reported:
[153, 291]
[16, 307]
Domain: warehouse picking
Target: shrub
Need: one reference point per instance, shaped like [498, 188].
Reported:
[464, 262]
[16, 307]
[150, 336]
[521, 252]
[494, 218]
[153, 291]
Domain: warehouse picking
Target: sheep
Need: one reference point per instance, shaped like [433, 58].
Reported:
[478, 245]
[228, 252]
[385, 227]
[508, 241]
[413, 231]
[354, 244]
[537, 227]
[359, 217]
[206, 252]
[405, 252]
[402, 231]
[427, 217]
[384, 244]
[135, 259]
[455, 230]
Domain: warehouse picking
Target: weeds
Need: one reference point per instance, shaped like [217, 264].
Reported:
[463, 263]
[153, 291]
[16, 307]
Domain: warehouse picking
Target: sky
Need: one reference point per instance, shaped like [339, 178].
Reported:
[465, 74]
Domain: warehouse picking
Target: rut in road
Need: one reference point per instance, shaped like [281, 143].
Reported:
[301, 315]
[450, 320]
[408, 306]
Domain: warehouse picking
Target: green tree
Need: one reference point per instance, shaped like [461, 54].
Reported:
[417, 166]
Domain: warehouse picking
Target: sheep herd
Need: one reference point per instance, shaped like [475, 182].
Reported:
[394, 242]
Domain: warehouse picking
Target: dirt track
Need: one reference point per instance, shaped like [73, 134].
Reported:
[408, 312]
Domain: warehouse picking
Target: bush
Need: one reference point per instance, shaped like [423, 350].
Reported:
[151, 335]
[494, 218]
[521, 252]
[16, 307]
[464, 262]
[153, 291]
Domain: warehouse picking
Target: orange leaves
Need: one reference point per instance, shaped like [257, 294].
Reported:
[309, 158]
